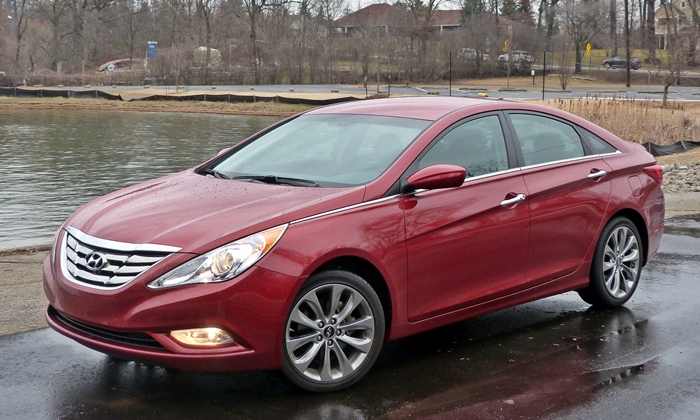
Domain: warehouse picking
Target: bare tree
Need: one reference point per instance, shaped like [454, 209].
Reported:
[480, 34]
[565, 69]
[669, 69]
[58, 14]
[550, 10]
[329, 12]
[205, 11]
[252, 12]
[613, 27]
[422, 12]
[582, 22]
[20, 20]
[651, 32]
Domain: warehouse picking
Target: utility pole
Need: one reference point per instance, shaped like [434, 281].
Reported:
[508, 51]
[627, 39]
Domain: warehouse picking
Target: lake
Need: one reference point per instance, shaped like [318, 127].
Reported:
[54, 161]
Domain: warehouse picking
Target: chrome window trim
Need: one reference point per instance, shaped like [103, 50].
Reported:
[471, 178]
[580, 158]
[104, 243]
[616, 152]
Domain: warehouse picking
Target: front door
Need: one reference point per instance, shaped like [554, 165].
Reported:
[468, 244]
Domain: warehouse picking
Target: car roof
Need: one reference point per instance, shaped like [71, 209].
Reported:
[435, 108]
[417, 107]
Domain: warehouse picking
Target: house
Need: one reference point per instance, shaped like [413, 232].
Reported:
[387, 17]
[381, 16]
[672, 18]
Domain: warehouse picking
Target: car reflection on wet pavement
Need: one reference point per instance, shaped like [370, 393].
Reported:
[554, 358]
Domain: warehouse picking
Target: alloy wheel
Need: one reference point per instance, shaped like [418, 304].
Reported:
[330, 332]
[621, 262]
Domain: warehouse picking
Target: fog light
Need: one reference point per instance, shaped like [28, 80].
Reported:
[204, 337]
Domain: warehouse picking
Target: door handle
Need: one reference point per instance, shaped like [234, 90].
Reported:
[517, 199]
[599, 174]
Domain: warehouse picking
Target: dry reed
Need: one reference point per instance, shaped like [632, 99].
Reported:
[637, 121]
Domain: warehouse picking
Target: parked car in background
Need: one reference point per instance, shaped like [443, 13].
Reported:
[471, 54]
[620, 62]
[309, 245]
[520, 60]
[405, 53]
[122, 65]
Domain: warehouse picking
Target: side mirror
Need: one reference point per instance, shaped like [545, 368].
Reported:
[437, 176]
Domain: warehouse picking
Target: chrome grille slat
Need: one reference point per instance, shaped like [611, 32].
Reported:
[129, 270]
[124, 261]
[139, 259]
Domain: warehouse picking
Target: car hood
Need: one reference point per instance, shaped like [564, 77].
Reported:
[198, 213]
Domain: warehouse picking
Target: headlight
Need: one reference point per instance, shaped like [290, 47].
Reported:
[223, 263]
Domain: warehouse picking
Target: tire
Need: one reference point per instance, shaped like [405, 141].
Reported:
[617, 265]
[607, 66]
[326, 350]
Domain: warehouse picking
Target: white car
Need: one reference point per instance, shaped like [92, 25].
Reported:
[521, 60]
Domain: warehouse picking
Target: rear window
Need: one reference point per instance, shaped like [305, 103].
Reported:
[545, 140]
[598, 145]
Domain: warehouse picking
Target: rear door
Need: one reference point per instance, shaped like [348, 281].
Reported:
[569, 188]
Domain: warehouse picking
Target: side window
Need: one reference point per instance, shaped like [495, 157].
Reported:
[477, 145]
[598, 145]
[544, 140]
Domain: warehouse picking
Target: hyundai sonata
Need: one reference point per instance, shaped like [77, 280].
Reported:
[309, 245]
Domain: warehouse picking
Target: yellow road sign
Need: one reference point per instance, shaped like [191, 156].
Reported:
[505, 45]
[588, 48]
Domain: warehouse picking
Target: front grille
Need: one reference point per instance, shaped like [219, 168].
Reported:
[105, 264]
[132, 339]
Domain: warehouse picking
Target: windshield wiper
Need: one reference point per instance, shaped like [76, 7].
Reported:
[279, 180]
[215, 173]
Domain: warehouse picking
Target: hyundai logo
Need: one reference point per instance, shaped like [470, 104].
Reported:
[96, 261]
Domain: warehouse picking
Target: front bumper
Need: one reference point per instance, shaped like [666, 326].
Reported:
[134, 322]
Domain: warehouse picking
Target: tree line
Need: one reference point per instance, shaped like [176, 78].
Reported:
[299, 41]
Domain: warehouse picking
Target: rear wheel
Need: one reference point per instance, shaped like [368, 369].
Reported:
[334, 332]
[616, 265]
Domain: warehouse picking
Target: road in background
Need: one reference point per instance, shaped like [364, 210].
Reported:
[532, 92]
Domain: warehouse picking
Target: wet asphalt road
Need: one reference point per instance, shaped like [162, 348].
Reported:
[550, 359]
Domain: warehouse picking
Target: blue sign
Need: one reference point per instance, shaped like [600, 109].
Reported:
[151, 50]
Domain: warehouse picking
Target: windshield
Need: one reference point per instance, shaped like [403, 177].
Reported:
[323, 150]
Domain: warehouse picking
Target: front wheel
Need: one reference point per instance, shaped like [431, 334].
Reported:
[334, 332]
[607, 66]
[616, 266]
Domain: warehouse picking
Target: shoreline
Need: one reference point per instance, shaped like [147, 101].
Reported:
[267, 109]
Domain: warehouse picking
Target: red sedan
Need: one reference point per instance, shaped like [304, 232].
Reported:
[312, 243]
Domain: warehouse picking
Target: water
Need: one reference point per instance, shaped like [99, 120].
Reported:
[53, 161]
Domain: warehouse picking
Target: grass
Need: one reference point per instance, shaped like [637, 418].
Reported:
[637, 121]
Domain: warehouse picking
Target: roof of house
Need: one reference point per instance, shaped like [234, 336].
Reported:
[372, 15]
[672, 9]
[446, 17]
[386, 14]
